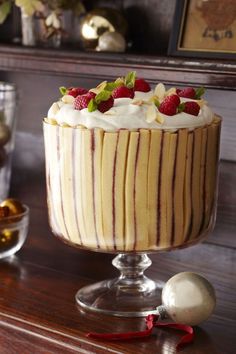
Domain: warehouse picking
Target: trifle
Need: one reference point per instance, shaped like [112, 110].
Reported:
[131, 169]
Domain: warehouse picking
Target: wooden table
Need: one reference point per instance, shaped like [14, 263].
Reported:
[38, 313]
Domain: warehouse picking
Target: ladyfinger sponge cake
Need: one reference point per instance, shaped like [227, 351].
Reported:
[130, 168]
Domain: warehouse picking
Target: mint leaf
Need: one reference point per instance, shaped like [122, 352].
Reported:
[63, 90]
[130, 79]
[181, 107]
[92, 106]
[104, 95]
[110, 86]
[199, 92]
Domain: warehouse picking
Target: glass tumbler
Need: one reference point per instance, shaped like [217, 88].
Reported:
[13, 232]
[8, 102]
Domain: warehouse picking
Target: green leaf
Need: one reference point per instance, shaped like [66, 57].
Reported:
[181, 107]
[92, 106]
[29, 7]
[199, 92]
[5, 9]
[110, 86]
[104, 95]
[63, 90]
[130, 79]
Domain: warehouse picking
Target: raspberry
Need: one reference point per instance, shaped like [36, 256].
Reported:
[188, 92]
[91, 94]
[82, 101]
[123, 91]
[191, 107]
[76, 91]
[141, 85]
[106, 105]
[168, 108]
[169, 105]
[173, 99]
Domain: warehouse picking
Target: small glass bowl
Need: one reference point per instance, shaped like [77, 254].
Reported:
[13, 232]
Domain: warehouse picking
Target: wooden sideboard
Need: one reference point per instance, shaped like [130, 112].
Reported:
[217, 74]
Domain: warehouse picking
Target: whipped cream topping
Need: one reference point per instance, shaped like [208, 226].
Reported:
[129, 114]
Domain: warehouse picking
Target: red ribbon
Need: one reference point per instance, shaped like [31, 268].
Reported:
[151, 322]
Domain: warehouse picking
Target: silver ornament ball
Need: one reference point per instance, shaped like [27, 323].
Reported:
[188, 298]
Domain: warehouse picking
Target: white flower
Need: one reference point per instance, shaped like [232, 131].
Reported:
[53, 21]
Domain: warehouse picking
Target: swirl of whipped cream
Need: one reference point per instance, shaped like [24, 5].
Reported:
[128, 114]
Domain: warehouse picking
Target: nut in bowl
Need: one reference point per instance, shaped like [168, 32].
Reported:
[14, 222]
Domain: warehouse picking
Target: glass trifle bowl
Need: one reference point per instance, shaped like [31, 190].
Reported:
[130, 188]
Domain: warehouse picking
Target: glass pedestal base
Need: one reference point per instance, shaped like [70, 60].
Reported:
[132, 294]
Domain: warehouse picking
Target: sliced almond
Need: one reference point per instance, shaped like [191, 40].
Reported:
[54, 109]
[159, 118]
[102, 85]
[119, 80]
[50, 121]
[137, 102]
[151, 113]
[68, 99]
[154, 99]
[171, 91]
[202, 102]
[160, 91]
[110, 112]
[99, 88]
[94, 90]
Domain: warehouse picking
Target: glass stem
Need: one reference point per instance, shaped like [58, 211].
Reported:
[132, 267]
[132, 294]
